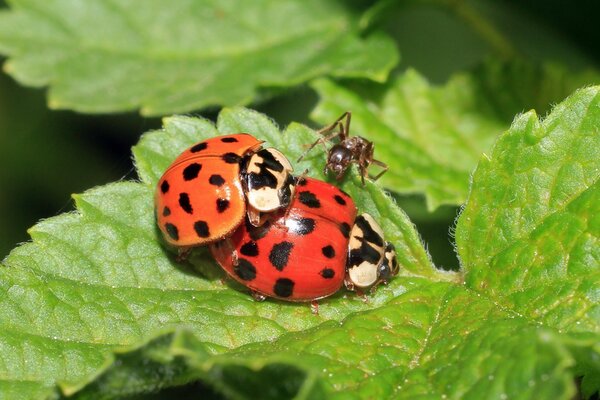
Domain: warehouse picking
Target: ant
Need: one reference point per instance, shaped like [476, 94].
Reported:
[349, 149]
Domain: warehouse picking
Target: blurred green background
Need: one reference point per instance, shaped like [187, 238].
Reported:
[47, 155]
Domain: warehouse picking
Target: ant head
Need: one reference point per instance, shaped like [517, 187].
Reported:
[338, 160]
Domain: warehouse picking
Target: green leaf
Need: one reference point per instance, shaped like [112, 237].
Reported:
[436, 341]
[529, 235]
[432, 137]
[166, 59]
[95, 305]
[99, 279]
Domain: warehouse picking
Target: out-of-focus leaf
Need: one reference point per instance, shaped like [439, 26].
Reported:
[104, 55]
[432, 137]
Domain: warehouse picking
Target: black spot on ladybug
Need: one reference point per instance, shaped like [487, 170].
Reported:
[164, 187]
[327, 273]
[284, 287]
[231, 158]
[191, 171]
[364, 253]
[166, 211]
[245, 270]
[249, 249]
[328, 251]
[222, 205]
[257, 232]
[309, 199]
[368, 233]
[172, 231]
[199, 147]
[201, 228]
[184, 203]
[280, 254]
[216, 180]
[303, 226]
[345, 229]
[229, 140]
[339, 199]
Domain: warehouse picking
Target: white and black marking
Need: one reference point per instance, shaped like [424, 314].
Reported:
[268, 180]
[280, 254]
[370, 229]
[366, 250]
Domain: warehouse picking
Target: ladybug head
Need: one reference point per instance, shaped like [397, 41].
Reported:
[388, 267]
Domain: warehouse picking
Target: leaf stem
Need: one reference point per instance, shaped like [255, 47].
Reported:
[482, 26]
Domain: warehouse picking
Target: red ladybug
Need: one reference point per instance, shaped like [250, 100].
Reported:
[310, 250]
[201, 198]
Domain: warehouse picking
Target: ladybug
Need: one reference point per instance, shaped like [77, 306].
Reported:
[201, 198]
[350, 149]
[310, 250]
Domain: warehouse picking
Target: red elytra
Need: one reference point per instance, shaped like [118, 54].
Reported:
[300, 255]
[200, 198]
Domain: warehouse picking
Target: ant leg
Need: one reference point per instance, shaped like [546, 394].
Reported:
[382, 165]
[336, 123]
[348, 116]
[322, 140]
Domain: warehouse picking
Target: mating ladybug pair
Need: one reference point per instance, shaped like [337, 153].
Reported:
[296, 239]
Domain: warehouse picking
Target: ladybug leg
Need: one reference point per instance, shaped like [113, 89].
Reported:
[362, 295]
[182, 254]
[253, 215]
[314, 307]
[257, 296]
[340, 129]
[229, 247]
[382, 165]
